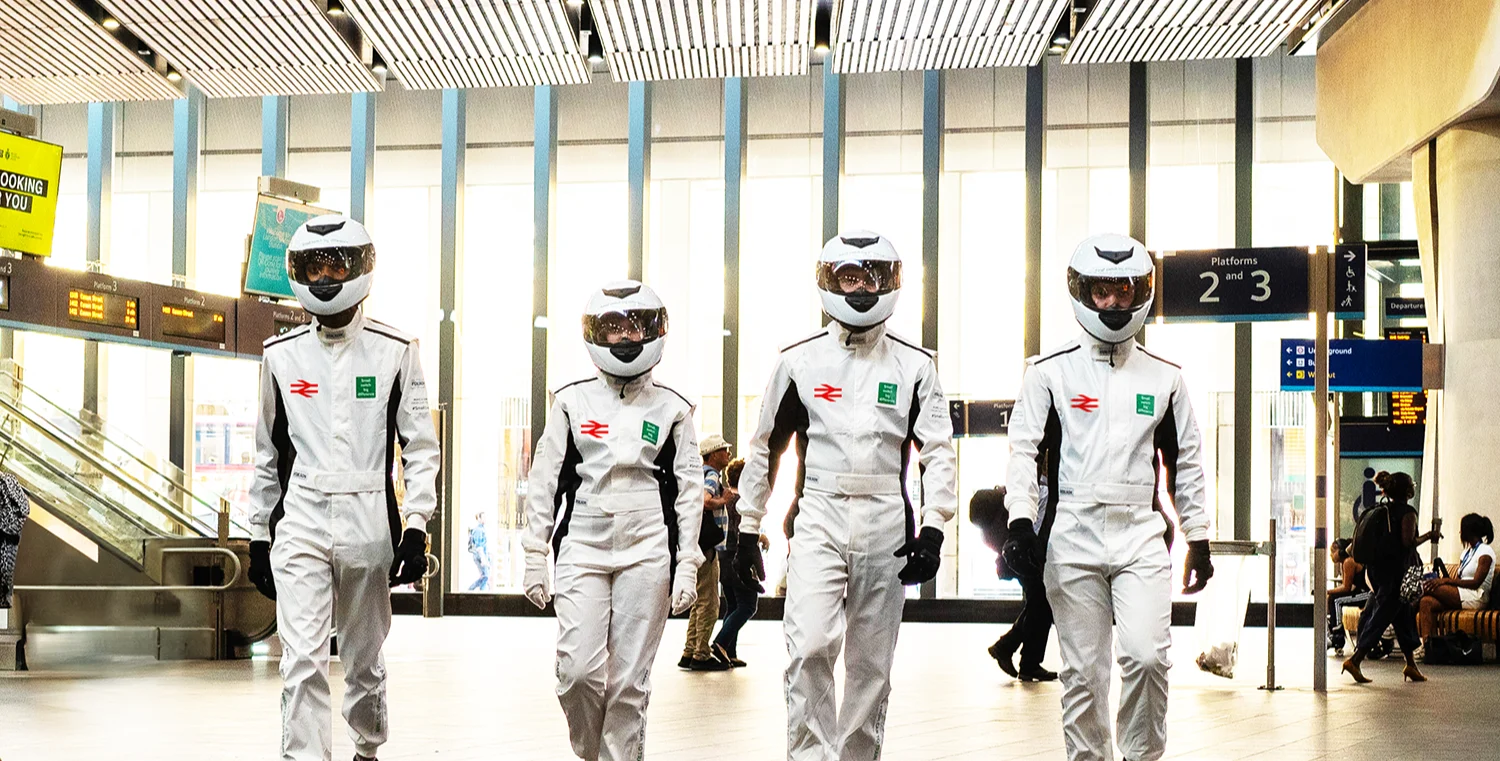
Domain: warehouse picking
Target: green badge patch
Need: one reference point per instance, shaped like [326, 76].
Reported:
[364, 387]
[886, 394]
[650, 431]
[1145, 404]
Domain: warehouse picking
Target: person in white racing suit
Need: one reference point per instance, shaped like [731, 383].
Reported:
[1111, 422]
[616, 492]
[857, 400]
[337, 398]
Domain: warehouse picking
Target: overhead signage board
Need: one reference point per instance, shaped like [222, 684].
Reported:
[1233, 285]
[275, 221]
[973, 417]
[1354, 365]
[1408, 407]
[29, 170]
[1396, 308]
[1349, 282]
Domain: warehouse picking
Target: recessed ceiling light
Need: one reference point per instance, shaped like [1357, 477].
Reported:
[110, 23]
[173, 76]
[335, 8]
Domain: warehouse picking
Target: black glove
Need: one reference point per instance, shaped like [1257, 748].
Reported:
[923, 555]
[749, 566]
[1020, 551]
[411, 558]
[260, 569]
[1198, 569]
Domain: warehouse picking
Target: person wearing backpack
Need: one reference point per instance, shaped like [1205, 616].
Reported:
[1386, 541]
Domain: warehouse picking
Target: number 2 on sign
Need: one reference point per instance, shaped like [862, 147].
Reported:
[1208, 296]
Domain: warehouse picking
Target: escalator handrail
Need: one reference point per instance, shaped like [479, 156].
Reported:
[31, 416]
[234, 578]
[139, 490]
[88, 531]
[72, 480]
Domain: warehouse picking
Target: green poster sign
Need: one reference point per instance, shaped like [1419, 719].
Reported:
[275, 221]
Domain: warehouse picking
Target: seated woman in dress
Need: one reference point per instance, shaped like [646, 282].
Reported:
[1469, 588]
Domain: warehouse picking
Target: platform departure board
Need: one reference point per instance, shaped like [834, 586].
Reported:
[101, 308]
[1408, 407]
[201, 324]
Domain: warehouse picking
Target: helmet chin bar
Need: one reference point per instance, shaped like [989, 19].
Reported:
[627, 352]
[1115, 319]
[326, 292]
[862, 302]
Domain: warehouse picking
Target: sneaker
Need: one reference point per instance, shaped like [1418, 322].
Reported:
[1338, 652]
[1036, 674]
[1004, 657]
[708, 664]
[685, 662]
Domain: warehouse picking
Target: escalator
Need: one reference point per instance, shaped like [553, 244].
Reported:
[120, 556]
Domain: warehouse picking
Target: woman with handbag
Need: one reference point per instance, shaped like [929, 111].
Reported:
[1395, 580]
[1469, 588]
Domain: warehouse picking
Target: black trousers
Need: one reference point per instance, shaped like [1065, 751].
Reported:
[1030, 631]
[1385, 608]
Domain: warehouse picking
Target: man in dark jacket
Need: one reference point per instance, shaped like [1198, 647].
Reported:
[1029, 633]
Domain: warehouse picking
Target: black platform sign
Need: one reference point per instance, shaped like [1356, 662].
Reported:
[1397, 308]
[974, 417]
[1233, 285]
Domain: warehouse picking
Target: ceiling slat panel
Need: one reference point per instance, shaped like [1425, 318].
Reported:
[247, 47]
[434, 44]
[897, 35]
[679, 39]
[1175, 30]
[56, 54]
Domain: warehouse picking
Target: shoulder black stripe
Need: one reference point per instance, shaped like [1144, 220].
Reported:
[674, 391]
[560, 389]
[393, 337]
[803, 341]
[1056, 354]
[289, 335]
[1157, 358]
[930, 354]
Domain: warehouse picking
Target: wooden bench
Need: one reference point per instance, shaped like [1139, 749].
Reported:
[1481, 624]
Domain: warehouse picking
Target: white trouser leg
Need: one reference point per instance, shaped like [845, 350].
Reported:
[638, 615]
[817, 572]
[304, 615]
[612, 587]
[1143, 621]
[362, 562]
[873, 612]
[1081, 607]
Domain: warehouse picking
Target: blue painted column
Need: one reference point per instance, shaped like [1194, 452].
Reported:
[544, 225]
[274, 114]
[101, 164]
[361, 154]
[736, 142]
[833, 147]
[639, 216]
[187, 137]
[451, 239]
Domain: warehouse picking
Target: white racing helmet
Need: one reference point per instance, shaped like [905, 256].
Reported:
[859, 279]
[625, 328]
[1112, 281]
[330, 263]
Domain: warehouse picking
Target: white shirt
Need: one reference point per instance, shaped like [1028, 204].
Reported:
[1469, 566]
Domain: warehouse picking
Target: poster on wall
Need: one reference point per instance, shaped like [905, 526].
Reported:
[275, 221]
[28, 193]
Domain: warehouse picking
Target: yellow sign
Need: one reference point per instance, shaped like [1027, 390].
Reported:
[28, 193]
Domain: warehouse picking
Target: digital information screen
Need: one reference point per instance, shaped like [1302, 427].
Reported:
[99, 308]
[192, 322]
[286, 326]
[1408, 407]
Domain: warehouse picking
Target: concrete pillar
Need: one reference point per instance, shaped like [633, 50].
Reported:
[1454, 180]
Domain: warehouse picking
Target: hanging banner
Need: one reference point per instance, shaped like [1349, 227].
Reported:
[28, 193]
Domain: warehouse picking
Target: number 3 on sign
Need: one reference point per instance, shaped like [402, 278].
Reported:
[1208, 296]
[1262, 284]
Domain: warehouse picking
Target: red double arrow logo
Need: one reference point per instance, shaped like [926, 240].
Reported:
[828, 393]
[304, 389]
[595, 429]
[1085, 403]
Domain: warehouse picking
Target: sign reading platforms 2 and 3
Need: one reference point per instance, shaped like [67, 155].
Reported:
[28, 193]
[1254, 285]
